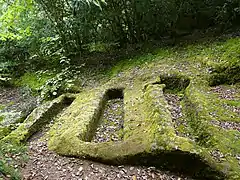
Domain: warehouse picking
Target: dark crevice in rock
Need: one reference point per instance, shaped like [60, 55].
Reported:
[110, 119]
[174, 82]
[114, 94]
[225, 75]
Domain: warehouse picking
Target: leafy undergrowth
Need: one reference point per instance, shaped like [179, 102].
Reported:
[219, 58]
[12, 157]
[212, 63]
[34, 80]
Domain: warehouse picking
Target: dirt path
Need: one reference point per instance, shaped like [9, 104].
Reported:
[44, 164]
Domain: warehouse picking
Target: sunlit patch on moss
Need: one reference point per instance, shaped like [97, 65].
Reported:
[34, 80]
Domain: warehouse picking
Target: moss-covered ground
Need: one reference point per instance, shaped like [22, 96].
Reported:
[209, 151]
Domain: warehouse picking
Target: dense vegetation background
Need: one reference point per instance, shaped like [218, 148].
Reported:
[57, 35]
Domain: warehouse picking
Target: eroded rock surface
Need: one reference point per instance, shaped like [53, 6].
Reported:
[15, 105]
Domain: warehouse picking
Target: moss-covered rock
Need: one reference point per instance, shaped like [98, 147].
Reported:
[9, 122]
[226, 66]
[37, 119]
[148, 132]
[199, 104]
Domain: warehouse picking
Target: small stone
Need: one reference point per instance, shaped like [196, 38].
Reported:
[80, 169]
[134, 178]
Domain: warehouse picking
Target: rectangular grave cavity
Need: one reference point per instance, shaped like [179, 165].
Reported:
[174, 93]
[109, 126]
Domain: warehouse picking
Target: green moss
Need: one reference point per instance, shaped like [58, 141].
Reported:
[12, 143]
[198, 105]
[2, 107]
[225, 63]
[235, 103]
[4, 131]
[10, 122]
[1, 118]
[148, 127]
[34, 80]
[140, 61]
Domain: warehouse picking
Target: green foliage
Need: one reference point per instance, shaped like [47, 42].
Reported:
[75, 22]
[12, 56]
[1, 117]
[10, 156]
[7, 71]
[60, 83]
[228, 12]
[13, 19]
[34, 80]
[50, 84]
[79, 23]
[27, 37]
[38, 34]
